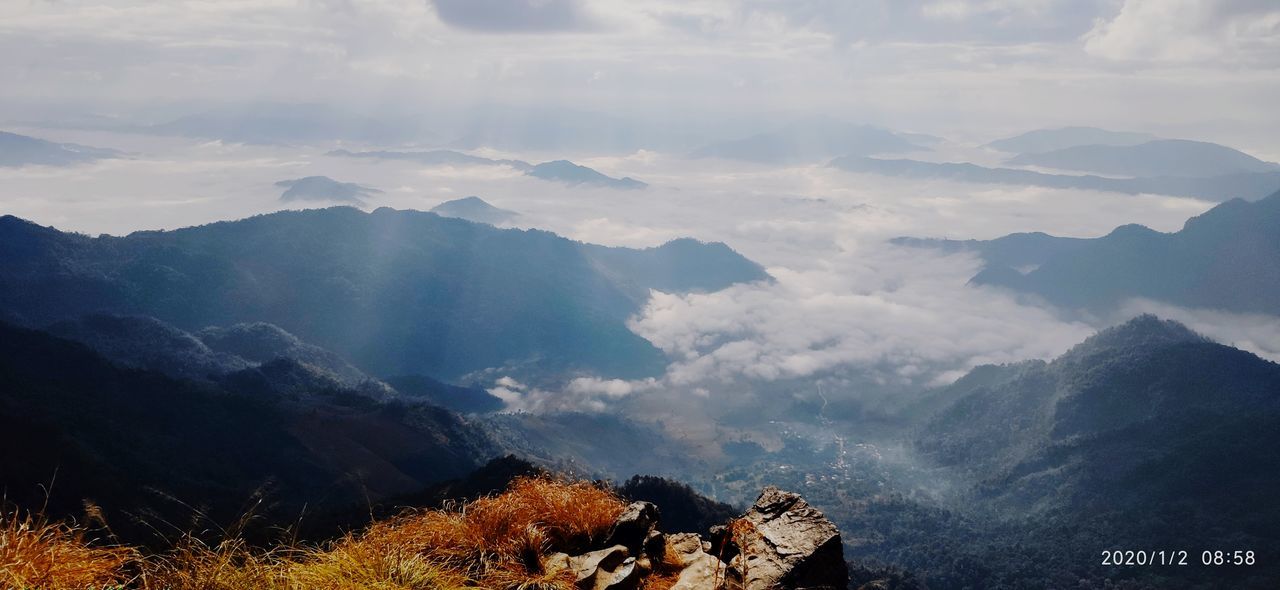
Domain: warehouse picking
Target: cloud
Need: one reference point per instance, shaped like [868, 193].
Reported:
[1235, 31]
[590, 394]
[513, 16]
[902, 315]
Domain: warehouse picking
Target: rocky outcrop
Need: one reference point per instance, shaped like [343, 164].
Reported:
[783, 542]
[780, 543]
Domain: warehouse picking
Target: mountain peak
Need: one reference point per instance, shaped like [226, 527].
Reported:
[475, 209]
[1143, 332]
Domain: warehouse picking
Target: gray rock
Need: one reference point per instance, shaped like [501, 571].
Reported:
[786, 543]
[699, 570]
[637, 529]
[607, 569]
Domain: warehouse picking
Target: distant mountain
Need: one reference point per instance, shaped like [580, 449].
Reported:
[1245, 185]
[21, 150]
[433, 158]
[324, 189]
[474, 209]
[394, 292]
[679, 266]
[1014, 250]
[1141, 433]
[1047, 140]
[1228, 258]
[1162, 158]
[562, 171]
[137, 442]
[810, 140]
[573, 174]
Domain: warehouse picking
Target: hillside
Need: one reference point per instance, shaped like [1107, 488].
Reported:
[138, 441]
[1228, 258]
[395, 292]
[1135, 436]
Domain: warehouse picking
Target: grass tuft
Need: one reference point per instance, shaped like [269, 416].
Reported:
[36, 553]
[497, 543]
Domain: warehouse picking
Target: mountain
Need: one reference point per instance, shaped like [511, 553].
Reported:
[562, 171]
[474, 209]
[1139, 434]
[323, 188]
[433, 158]
[1047, 140]
[573, 174]
[1227, 258]
[21, 150]
[808, 140]
[1165, 157]
[148, 343]
[1013, 251]
[260, 342]
[1244, 185]
[393, 292]
[136, 441]
[679, 266]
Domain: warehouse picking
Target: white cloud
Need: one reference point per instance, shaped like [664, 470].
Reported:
[1239, 32]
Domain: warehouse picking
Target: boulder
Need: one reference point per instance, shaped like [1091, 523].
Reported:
[607, 569]
[783, 542]
[699, 570]
[637, 529]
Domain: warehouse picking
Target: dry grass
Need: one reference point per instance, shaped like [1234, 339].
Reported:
[495, 543]
[35, 553]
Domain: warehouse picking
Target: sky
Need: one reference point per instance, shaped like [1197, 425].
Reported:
[846, 306]
[969, 69]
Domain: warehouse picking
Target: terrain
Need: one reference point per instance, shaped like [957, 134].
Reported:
[355, 283]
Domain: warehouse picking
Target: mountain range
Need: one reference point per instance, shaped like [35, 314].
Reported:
[562, 171]
[1159, 158]
[1243, 185]
[1227, 258]
[21, 150]
[1047, 140]
[396, 292]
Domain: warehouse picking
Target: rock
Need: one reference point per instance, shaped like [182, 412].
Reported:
[607, 569]
[699, 570]
[786, 543]
[635, 527]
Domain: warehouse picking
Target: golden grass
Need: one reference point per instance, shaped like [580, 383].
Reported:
[37, 554]
[494, 543]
